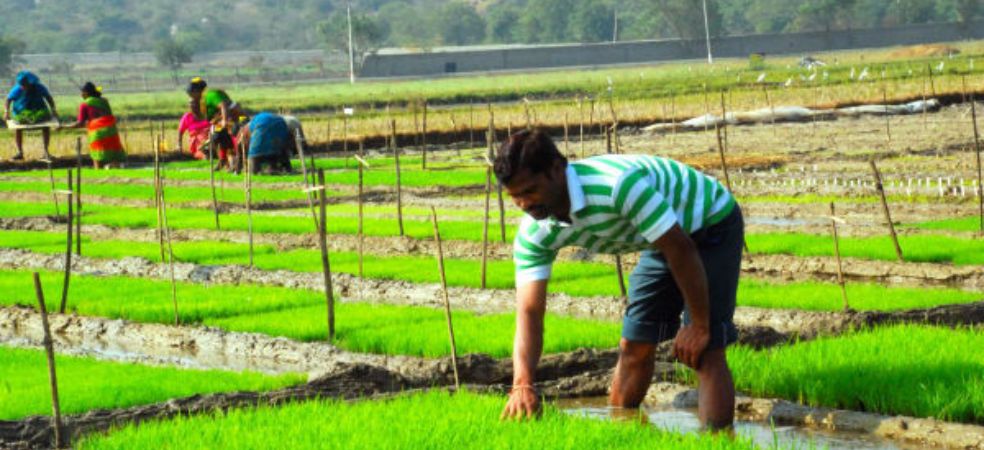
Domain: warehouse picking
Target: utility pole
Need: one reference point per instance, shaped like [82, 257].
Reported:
[348, 13]
[615, 27]
[707, 33]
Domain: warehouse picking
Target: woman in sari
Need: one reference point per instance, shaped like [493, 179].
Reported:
[105, 147]
[29, 103]
[198, 135]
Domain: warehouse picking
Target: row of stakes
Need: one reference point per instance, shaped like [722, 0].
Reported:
[167, 253]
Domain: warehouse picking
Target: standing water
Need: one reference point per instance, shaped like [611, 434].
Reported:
[763, 435]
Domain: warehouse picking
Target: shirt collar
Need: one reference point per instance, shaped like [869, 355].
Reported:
[574, 190]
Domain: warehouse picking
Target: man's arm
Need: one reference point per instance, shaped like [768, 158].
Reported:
[6, 110]
[531, 302]
[688, 271]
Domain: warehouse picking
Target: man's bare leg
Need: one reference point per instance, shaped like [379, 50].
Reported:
[716, 404]
[633, 374]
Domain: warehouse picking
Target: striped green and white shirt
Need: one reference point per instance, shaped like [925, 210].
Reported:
[620, 204]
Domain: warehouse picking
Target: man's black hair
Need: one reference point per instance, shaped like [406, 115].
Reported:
[532, 150]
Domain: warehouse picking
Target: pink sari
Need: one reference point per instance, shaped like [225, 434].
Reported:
[197, 134]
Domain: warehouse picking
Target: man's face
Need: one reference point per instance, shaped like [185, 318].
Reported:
[539, 195]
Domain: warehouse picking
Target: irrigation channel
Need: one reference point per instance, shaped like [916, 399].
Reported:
[248, 297]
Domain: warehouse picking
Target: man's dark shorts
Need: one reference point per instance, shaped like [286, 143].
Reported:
[655, 302]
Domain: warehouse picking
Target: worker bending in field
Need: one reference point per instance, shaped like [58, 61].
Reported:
[105, 147]
[29, 103]
[270, 142]
[689, 230]
[215, 106]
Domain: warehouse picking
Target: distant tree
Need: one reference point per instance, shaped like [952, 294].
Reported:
[367, 34]
[824, 15]
[502, 22]
[639, 19]
[409, 25]
[173, 54]
[686, 17]
[592, 21]
[545, 21]
[460, 24]
[8, 48]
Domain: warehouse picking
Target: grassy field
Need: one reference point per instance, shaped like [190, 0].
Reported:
[908, 369]
[434, 420]
[972, 223]
[85, 384]
[582, 279]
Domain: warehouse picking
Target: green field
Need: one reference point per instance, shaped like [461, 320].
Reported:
[911, 370]
[85, 384]
[434, 420]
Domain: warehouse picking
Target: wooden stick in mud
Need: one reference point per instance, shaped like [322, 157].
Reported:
[485, 223]
[360, 237]
[567, 143]
[447, 301]
[888, 214]
[621, 278]
[399, 184]
[837, 253]
[54, 196]
[68, 245]
[423, 137]
[888, 126]
[502, 212]
[49, 350]
[325, 264]
[673, 127]
[977, 152]
[932, 83]
[78, 196]
[249, 204]
[170, 251]
[299, 144]
[772, 108]
[211, 182]
[471, 124]
[580, 106]
[608, 140]
[157, 198]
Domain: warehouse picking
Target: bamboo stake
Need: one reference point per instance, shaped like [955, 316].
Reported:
[485, 223]
[502, 212]
[56, 422]
[170, 251]
[249, 205]
[399, 185]
[325, 264]
[360, 236]
[299, 143]
[68, 246]
[888, 126]
[78, 196]
[621, 278]
[888, 215]
[157, 198]
[447, 301]
[471, 124]
[567, 144]
[977, 152]
[580, 106]
[211, 182]
[608, 140]
[932, 83]
[423, 137]
[772, 108]
[837, 253]
[673, 129]
[54, 196]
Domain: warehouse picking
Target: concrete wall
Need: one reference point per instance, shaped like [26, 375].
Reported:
[488, 60]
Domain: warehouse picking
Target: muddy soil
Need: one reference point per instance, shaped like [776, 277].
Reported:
[929, 432]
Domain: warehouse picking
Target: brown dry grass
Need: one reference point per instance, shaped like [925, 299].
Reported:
[925, 50]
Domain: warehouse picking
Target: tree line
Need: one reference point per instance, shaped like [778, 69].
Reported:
[37, 26]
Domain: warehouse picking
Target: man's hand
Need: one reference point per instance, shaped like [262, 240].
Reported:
[523, 402]
[690, 343]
